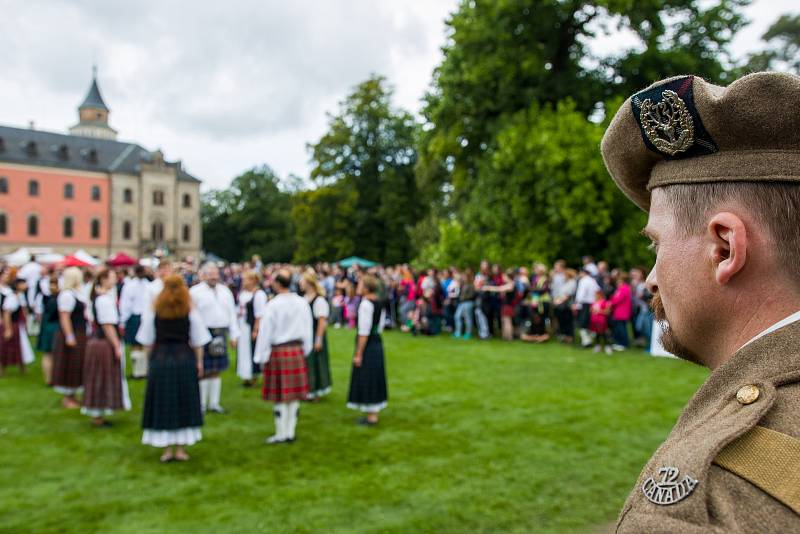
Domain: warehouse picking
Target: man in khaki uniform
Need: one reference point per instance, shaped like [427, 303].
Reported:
[718, 170]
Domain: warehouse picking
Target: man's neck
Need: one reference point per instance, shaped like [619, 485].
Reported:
[766, 313]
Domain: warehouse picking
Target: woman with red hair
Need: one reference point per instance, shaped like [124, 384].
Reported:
[175, 336]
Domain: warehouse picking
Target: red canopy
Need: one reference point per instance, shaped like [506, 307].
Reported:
[120, 259]
[72, 261]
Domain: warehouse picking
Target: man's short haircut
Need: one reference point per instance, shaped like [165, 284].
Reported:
[284, 279]
[207, 266]
[775, 205]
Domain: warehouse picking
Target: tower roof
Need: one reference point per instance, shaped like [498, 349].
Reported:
[93, 99]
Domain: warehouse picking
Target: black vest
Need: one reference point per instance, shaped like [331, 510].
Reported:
[172, 330]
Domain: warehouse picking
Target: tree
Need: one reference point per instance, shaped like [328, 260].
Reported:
[369, 153]
[491, 176]
[783, 39]
[252, 217]
[321, 220]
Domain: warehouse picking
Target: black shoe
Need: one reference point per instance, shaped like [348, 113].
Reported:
[365, 422]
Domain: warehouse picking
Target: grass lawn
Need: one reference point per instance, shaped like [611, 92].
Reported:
[479, 436]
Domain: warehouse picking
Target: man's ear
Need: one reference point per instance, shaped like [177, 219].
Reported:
[728, 238]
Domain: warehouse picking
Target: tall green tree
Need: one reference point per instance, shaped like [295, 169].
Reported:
[369, 152]
[253, 216]
[783, 47]
[489, 175]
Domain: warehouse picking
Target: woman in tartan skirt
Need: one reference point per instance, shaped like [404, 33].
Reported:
[16, 349]
[69, 345]
[284, 338]
[102, 367]
[317, 362]
[175, 335]
[368, 391]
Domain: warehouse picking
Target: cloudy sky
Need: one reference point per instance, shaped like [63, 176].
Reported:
[228, 85]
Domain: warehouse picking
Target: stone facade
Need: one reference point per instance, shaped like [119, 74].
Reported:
[124, 199]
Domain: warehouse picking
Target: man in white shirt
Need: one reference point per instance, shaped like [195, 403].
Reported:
[285, 337]
[584, 298]
[133, 301]
[215, 304]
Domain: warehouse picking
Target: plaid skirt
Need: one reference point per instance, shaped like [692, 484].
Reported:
[10, 349]
[47, 332]
[215, 364]
[68, 361]
[319, 371]
[285, 378]
[172, 397]
[102, 376]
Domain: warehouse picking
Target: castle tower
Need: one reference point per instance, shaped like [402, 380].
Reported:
[93, 115]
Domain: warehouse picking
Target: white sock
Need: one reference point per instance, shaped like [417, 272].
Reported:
[280, 412]
[215, 391]
[204, 387]
[291, 419]
[139, 363]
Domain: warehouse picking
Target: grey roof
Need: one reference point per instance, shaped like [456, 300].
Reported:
[93, 98]
[36, 147]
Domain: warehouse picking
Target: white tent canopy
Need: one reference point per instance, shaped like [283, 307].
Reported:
[18, 257]
[48, 258]
[86, 257]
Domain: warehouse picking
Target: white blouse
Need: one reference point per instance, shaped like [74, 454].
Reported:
[321, 308]
[198, 332]
[68, 299]
[106, 310]
[365, 312]
[258, 305]
[13, 302]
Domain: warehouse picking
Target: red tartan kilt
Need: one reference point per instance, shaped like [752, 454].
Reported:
[102, 377]
[285, 377]
[11, 349]
[68, 361]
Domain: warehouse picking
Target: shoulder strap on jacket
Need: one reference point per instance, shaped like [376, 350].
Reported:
[769, 460]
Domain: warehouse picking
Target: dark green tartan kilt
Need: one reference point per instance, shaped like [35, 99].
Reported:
[47, 333]
[319, 371]
[172, 399]
[131, 328]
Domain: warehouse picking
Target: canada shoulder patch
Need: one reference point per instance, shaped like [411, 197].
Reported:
[669, 122]
[669, 488]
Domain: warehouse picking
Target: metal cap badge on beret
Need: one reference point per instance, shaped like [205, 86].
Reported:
[685, 130]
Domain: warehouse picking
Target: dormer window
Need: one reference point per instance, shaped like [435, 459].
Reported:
[89, 154]
[61, 151]
[29, 147]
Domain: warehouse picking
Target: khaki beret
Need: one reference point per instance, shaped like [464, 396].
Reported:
[684, 130]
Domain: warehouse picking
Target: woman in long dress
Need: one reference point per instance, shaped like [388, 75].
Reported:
[69, 345]
[17, 348]
[317, 362]
[368, 391]
[252, 300]
[175, 336]
[103, 376]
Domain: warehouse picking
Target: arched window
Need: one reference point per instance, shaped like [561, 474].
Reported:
[187, 200]
[33, 225]
[33, 188]
[95, 228]
[126, 230]
[67, 226]
[187, 233]
[157, 232]
[127, 195]
[3, 224]
[95, 192]
[69, 191]
[3, 185]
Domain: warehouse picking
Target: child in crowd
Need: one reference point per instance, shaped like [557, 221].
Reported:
[598, 322]
[338, 307]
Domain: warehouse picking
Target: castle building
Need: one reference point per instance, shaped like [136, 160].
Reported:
[86, 190]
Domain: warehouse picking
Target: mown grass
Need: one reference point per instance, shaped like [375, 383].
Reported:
[479, 436]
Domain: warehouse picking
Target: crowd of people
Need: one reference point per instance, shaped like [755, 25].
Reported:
[180, 323]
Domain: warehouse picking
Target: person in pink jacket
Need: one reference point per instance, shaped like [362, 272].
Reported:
[621, 309]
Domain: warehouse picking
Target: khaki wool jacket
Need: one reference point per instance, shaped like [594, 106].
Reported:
[746, 416]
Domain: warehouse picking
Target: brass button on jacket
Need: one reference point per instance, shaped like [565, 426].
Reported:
[747, 394]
